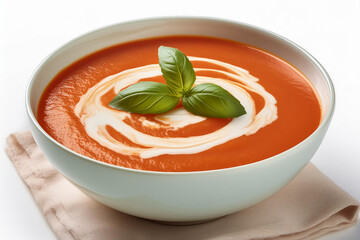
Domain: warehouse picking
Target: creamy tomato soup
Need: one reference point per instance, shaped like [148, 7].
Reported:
[281, 104]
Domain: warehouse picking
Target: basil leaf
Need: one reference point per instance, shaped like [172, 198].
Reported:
[176, 69]
[145, 97]
[210, 100]
[205, 99]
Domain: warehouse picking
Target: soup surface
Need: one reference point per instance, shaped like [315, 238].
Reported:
[282, 107]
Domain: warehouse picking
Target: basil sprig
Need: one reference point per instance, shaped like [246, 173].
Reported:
[205, 99]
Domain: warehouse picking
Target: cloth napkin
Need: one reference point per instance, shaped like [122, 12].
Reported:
[308, 207]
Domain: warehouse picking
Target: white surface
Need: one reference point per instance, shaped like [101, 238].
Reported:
[30, 30]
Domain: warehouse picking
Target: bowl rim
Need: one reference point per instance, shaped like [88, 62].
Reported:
[325, 119]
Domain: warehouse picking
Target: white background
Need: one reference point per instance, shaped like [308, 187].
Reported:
[30, 30]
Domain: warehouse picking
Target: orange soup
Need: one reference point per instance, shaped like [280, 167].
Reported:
[281, 104]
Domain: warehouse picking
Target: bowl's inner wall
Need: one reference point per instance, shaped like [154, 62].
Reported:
[126, 32]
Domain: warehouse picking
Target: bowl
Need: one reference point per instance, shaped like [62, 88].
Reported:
[180, 197]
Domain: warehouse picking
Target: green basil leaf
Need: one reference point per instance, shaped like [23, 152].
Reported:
[145, 97]
[177, 70]
[210, 100]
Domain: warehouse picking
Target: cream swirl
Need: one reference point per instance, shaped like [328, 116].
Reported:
[95, 116]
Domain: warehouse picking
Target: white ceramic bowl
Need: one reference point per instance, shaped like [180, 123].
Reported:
[186, 196]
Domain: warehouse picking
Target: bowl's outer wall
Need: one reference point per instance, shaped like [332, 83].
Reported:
[178, 196]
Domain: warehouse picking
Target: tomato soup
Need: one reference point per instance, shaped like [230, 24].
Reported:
[281, 104]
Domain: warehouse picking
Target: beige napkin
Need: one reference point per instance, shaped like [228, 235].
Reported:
[309, 207]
